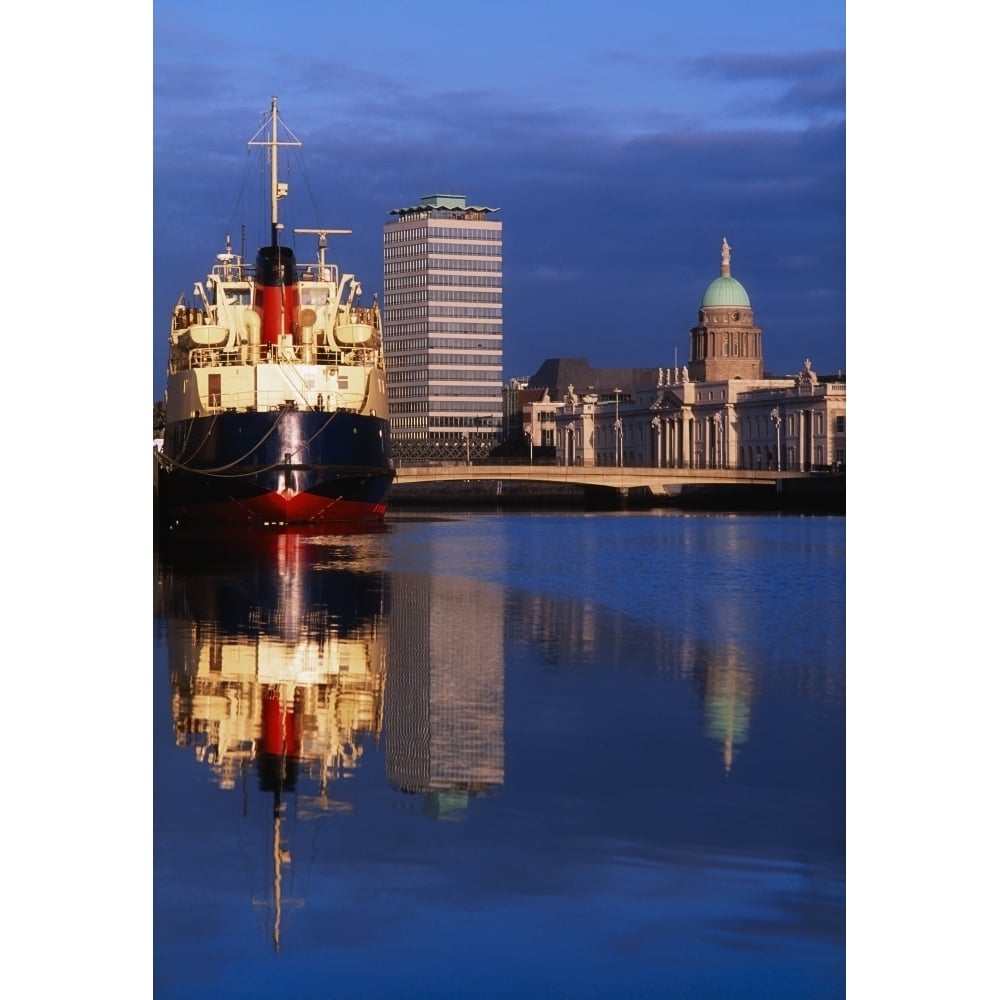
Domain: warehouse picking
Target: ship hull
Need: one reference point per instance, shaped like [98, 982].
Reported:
[281, 467]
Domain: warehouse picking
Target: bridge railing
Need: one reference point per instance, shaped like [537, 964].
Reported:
[405, 462]
[597, 474]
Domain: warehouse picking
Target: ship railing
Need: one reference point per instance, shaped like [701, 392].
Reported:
[326, 355]
[233, 272]
[248, 401]
[314, 274]
[215, 357]
[203, 357]
[323, 354]
[359, 355]
[325, 401]
[288, 353]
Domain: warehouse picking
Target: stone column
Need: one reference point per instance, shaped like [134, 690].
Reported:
[728, 438]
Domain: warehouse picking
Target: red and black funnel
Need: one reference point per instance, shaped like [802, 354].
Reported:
[276, 298]
[280, 743]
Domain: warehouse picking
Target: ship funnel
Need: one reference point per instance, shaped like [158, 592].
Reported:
[276, 292]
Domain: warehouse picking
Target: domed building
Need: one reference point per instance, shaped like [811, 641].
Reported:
[725, 344]
[719, 411]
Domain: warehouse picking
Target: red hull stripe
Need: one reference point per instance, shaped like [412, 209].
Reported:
[270, 508]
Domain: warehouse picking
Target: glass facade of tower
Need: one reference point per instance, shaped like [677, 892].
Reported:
[443, 321]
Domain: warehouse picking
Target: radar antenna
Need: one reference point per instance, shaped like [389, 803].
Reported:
[322, 234]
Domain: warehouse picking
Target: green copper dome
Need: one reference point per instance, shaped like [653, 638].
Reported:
[725, 291]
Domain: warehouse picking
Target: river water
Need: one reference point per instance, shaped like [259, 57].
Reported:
[503, 755]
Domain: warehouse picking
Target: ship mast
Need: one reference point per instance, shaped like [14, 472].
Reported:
[278, 189]
[278, 857]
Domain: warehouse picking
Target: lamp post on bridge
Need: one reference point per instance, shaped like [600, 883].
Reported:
[618, 432]
[531, 447]
[719, 451]
[468, 449]
[776, 417]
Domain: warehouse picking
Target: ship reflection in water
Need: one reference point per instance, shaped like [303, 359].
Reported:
[282, 674]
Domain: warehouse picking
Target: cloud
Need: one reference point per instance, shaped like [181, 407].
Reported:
[801, 84]
[609, 206]
[789, 66]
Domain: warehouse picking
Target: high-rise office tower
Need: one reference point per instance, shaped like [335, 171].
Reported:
[443, 323]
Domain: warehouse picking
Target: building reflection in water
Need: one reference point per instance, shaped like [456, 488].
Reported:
[572, 633]
[727, 689]
[444, 693]
[282, 671]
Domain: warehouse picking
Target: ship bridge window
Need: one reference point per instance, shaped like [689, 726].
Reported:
[315, 296]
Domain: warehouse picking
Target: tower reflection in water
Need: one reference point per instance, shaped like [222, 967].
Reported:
[444, 694]
[282, 673]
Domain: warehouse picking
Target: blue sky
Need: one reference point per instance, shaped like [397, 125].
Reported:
[620, 144]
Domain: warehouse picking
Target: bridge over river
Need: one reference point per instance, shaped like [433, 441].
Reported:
[628, 484]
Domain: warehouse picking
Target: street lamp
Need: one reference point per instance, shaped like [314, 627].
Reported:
[531, 447]
[776, 417]
[468, 449]
[657, 433]
[719, 451]
[618, 431]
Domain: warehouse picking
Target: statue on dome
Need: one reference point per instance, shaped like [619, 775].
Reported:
[725, 256]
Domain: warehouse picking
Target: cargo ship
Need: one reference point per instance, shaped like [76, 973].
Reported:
[276, 407]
